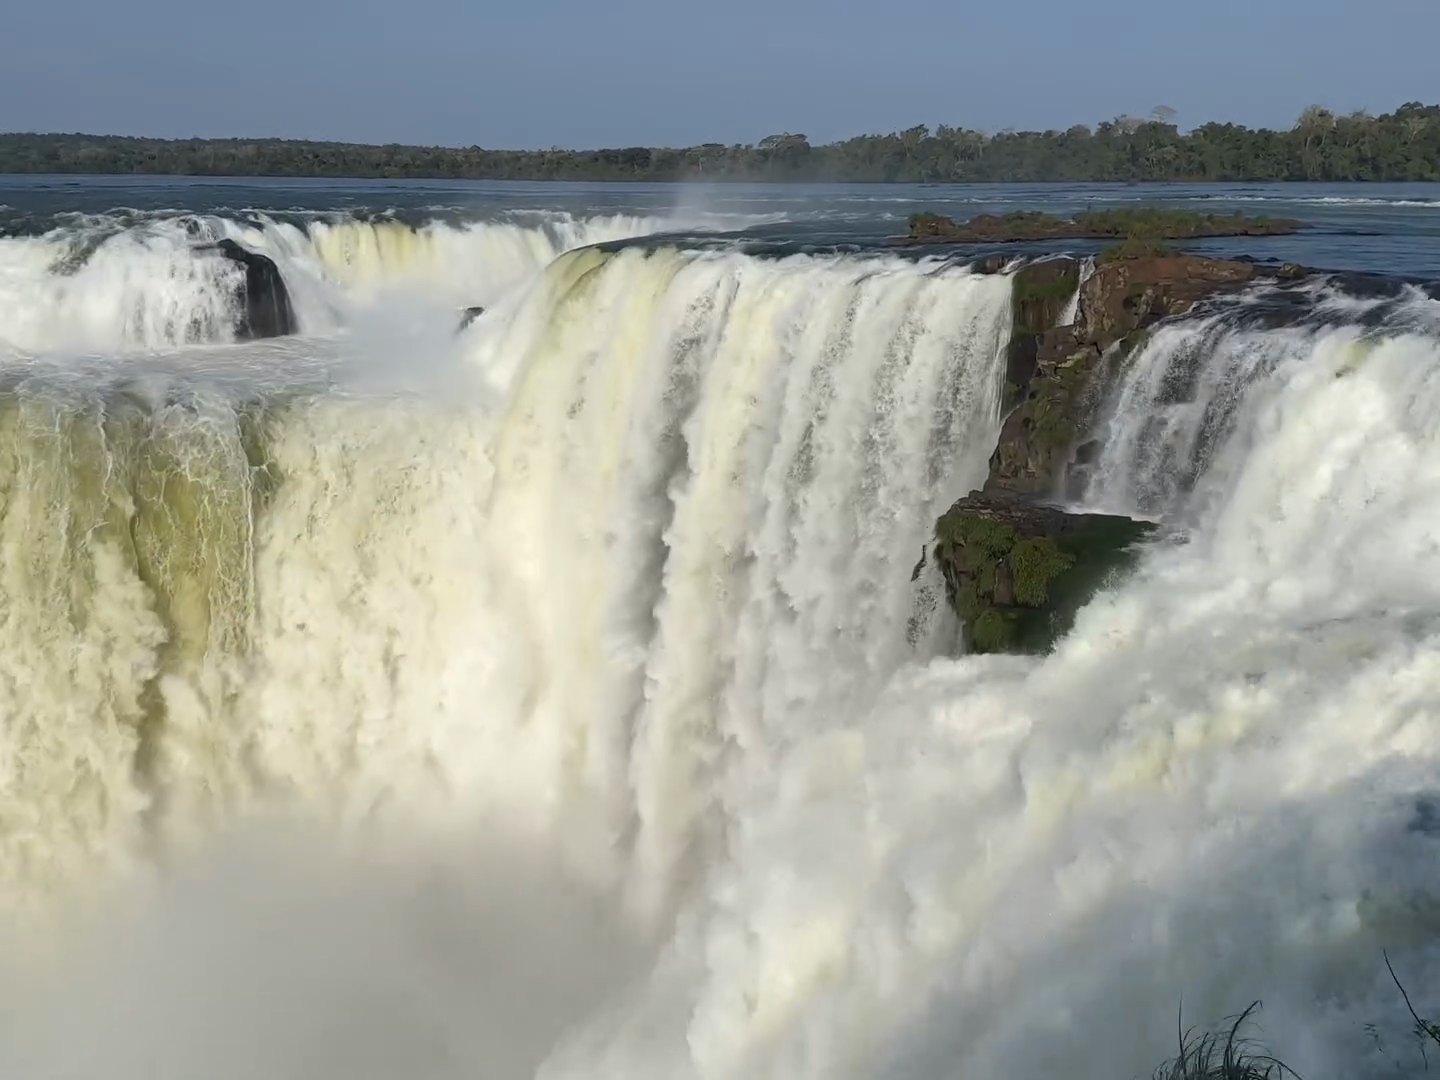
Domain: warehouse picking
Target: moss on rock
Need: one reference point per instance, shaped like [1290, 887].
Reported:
[1033, 563]
[1040, 293]
[1017, 572]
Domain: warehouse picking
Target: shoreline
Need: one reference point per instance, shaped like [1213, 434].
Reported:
[728, 180]
[1400, 146]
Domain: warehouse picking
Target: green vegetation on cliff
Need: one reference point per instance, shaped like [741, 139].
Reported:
[1017, 572]
[1403, 145]
[1040, 292]
[1158, 223]
[1135, 249]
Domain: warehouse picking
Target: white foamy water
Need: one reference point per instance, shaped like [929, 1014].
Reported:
[1072, 308]
[103, 285]
[1323, 200]
[608, 665]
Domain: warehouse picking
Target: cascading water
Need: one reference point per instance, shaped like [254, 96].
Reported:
[132, 288]
[119, 282]
[1186, 395]
[627, 565]
[626, 574]
[1072, 309]
[1220, 788]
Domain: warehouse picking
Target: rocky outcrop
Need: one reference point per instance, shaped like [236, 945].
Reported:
[1017, 568]
[1017, 571]
[468, 316]
[265, 309]
[1133, 223]
[1054, 392]
[1124, 295]
[1039, 294]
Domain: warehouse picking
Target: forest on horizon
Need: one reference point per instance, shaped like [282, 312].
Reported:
[1403, 145]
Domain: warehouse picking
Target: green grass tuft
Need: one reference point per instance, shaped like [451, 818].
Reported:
[1223, 1055]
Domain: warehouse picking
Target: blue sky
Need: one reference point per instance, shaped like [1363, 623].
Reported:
[673, 72]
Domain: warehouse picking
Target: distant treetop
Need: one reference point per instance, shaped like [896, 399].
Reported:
[1322, 145]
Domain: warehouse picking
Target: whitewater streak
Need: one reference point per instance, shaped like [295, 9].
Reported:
[642, 587]
[568, 604]
[108, 282]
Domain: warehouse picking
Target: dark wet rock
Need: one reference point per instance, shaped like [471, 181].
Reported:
[265, 309]
[1016, 570]
[468, 316]
[1040, 293]
[990, 264]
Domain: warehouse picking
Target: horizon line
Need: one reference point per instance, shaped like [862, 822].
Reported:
[931, 131]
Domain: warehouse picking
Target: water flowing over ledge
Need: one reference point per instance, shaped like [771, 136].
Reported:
[638, 581]
[636, 553]
[145, 281]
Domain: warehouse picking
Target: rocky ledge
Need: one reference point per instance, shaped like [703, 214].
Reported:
[1017, 571]
[1017, 567]
[1056, 373]
[1138, 223]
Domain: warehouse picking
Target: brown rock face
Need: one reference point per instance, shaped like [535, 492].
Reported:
[1017, 569]
[1130, 294]
[1040, 292]
[1068, 366]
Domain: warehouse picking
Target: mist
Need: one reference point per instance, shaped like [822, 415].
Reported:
[284, 954]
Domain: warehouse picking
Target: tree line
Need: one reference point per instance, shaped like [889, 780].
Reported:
[1322, 145]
